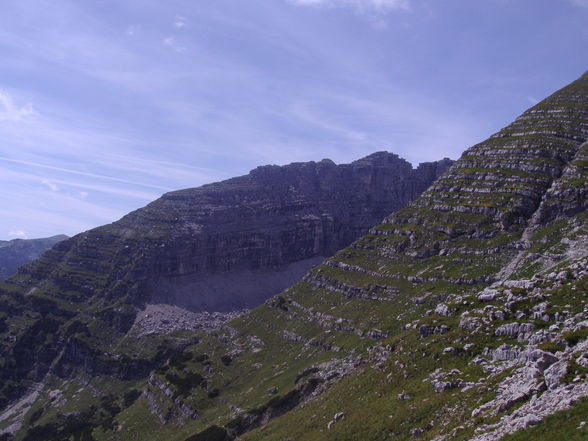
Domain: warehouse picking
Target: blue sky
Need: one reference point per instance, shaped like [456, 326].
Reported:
[107, 104]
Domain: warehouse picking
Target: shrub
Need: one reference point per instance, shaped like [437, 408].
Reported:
[180, 358]
[185, 384]
[201, 358]
[212, 433]
[36, 415]
[550, 346]
[131, 396]
[574, 337]
[214, 393]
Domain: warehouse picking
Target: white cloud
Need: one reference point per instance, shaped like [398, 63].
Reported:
[583, 3]
[132, 30]
[361, 5]
[10, 111]
[18, 233]
[49, 184]
[180, 22]
[173, 44]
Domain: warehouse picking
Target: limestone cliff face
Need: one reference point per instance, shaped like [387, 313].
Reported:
[508, 176]
[476, 289]
[233, 244]
[236, 243]
[18, 252]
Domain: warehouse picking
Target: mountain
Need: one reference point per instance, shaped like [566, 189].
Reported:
[462, 316]
[233, 244]
[18, 252]
[96, 304]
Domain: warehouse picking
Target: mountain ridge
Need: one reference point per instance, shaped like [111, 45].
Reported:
[463, 316]
[18, 252]
[245, 223]
[251, 235]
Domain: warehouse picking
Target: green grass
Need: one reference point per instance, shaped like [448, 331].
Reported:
[563, 425]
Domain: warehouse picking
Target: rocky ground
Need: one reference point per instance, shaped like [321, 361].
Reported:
[165, 319]
[544, 371]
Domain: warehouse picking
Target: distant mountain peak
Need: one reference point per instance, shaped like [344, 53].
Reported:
[18, 252]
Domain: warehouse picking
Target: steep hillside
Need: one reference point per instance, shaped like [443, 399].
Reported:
[18, 252]
[233, 244]
[92, 305]
[462, 316]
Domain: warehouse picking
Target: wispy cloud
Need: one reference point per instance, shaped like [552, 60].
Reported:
[10, 111]
[50, 185]
[20, 234]
[81, 173]
[108, 189]
[360, 5]
[55, 218]
[173, 44]
[180, 22]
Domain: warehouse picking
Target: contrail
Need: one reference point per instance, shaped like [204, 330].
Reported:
[76, 172]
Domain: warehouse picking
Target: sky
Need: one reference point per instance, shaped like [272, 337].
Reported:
[107, 104]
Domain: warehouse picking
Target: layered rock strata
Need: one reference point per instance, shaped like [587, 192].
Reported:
[221, 247]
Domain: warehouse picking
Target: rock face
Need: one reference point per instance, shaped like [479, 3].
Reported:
[231, 245]
[468, 258]
[18, 252]
[236, 243]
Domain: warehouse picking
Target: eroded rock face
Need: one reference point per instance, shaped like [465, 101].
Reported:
[240, 241]
[231, 245]
[445, 279]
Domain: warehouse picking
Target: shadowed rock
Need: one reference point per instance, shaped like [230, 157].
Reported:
[18, 252]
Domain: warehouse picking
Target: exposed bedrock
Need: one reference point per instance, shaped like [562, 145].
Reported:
[231, 245]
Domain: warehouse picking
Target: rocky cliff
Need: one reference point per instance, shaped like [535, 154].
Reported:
[18, 252]
[462, 316]
[217, 248]
[233, 244]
